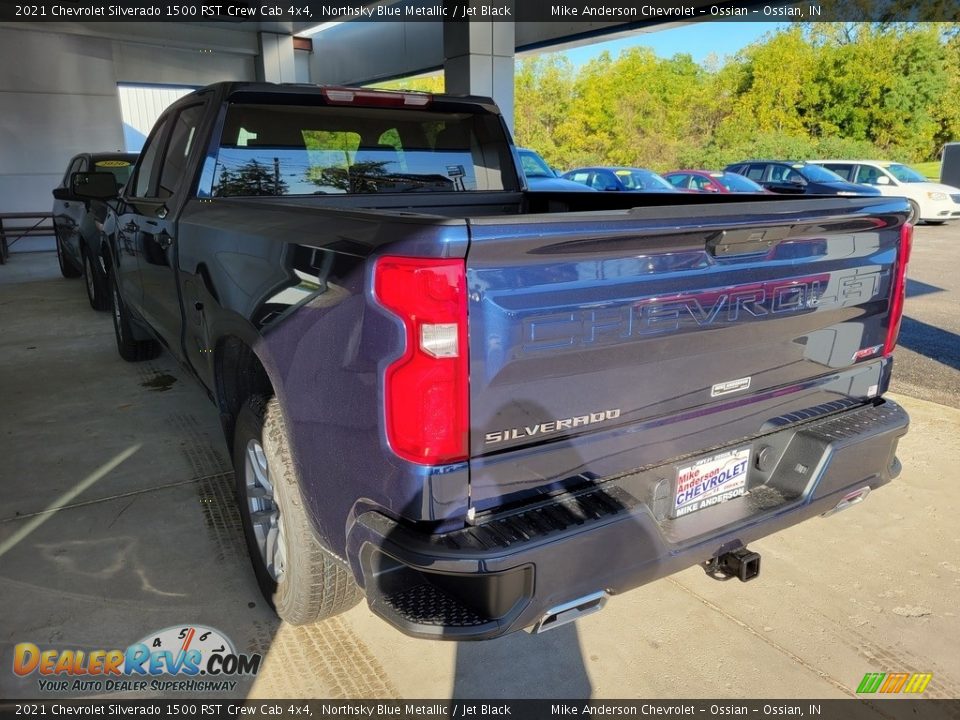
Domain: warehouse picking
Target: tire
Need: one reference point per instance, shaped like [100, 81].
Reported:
[96, 283]
[914, 218]
[67, 268]
[303, 581]
[130, 349]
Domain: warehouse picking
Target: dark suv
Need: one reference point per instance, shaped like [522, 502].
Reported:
[784, 176]
[78, 223]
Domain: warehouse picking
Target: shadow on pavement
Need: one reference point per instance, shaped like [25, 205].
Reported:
[915, 288]
[496, 669]
[931, 341]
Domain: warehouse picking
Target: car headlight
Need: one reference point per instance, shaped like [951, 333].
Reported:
[938, 196]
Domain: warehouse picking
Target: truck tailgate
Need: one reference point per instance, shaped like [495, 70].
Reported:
[585, 325]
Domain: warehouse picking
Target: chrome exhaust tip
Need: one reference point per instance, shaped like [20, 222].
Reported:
[849, 500]
[570, 612]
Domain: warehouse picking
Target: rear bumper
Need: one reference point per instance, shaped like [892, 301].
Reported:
[503, 573]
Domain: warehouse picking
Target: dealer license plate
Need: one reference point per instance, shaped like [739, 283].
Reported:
[710, 481]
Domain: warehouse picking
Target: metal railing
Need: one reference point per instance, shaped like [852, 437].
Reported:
[10, 233]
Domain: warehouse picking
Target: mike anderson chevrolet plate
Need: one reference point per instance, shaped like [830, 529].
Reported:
[711, 481]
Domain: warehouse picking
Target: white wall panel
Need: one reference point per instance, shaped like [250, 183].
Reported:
[58, 97]
[46, 62]
[59, 94]
[301, 60]
[141, 105]
[68, 124]
[140, 64]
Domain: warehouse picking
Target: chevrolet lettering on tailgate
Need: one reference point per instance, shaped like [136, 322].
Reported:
[670, 314]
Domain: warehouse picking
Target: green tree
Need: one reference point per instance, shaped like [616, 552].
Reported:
[250, 179]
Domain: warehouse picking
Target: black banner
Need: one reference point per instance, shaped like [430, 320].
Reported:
[876, 708]
[626, 11]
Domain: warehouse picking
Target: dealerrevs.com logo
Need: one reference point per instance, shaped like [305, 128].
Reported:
[177, 659]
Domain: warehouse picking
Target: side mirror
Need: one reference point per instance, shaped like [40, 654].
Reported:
[93, 186]
[797, 181]
[62, 193]
[882, 180]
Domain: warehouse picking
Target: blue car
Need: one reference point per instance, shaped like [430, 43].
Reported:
[623, 179]
[797, 178]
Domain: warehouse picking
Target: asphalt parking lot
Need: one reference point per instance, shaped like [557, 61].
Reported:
[928, 359]
[117, 521]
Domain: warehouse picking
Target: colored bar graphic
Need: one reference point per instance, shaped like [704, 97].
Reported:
[918, 682]
[871, 682]
[913, 683]
[894, 682]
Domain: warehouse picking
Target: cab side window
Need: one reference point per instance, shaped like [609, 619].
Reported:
[845, 171]
[699, 182]
[182, 141]
[756, 172]
[792, 176]
[603, 181]
[75, 166]
[868, 175]
[143, 185]
[778, 173]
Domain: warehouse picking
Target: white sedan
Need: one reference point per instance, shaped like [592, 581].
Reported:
[931, 201]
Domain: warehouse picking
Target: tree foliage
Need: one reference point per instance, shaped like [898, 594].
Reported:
[830, 89]
[250, 179]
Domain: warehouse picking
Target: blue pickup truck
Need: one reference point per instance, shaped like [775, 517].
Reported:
[484, 409]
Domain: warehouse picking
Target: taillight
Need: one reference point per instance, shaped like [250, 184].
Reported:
[898, 292]
[426, 389]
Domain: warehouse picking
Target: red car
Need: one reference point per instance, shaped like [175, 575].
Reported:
[712, 181]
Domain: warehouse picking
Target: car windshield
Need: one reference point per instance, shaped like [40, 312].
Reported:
[737, 183]
[815, 173]
[640, 179]
[533, 165]
[905, 174]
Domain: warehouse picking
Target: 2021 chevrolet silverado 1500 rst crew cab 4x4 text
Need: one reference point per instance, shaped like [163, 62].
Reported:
[485, 409]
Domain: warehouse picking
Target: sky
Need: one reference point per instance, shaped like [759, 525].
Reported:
[698, 40]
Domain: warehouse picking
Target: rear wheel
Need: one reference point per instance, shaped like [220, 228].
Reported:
[300, 578]
[67, 268]
[130, 349]
[96, 283]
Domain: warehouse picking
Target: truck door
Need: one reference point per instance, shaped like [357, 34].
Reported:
[156, 229]
[137, 203]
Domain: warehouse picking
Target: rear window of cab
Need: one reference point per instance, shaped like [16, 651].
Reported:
[273, 150]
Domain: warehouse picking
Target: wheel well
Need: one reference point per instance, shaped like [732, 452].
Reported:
[239, 374]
